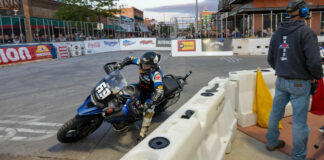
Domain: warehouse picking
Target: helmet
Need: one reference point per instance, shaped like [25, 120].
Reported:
[150, 59]
[294, 5]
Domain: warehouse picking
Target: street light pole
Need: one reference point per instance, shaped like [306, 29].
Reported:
[196, 16]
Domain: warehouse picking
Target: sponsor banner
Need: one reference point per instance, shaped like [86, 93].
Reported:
[146, 43]
[163, 42]
[186, 45]
[62, 49]
[138, 43]
[75, 48]
[23, 53]
[216, 44]
[100, 46]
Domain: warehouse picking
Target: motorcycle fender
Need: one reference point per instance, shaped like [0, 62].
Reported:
[83, 110]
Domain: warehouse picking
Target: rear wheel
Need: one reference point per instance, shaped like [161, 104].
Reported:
[77, 128]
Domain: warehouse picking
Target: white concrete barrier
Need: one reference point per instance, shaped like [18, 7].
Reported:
[206, 134]
[241, 46]
[259, 46]
[246, 83]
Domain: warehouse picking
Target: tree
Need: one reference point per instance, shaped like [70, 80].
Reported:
[86, 10]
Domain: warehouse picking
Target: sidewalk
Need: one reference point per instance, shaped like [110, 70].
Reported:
[245, 147]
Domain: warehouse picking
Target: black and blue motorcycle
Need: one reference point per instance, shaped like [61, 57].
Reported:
[109, 97]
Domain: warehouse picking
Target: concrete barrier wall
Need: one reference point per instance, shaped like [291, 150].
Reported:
[246, 83]
[240, 46]
[206, 135]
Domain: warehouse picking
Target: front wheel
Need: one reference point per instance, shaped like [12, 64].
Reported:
[77, 128]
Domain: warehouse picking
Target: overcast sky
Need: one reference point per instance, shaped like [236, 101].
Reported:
[166, 9]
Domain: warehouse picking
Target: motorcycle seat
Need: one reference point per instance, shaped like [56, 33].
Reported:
[170, 85]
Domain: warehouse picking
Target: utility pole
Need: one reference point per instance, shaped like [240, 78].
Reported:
[196, 16]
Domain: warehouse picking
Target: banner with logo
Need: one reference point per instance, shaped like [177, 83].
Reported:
[161, 42]
[138, 44]
[76, 48]
[100, 46]
[186, 45]
[24, 53]
[62, 49]
[216, 44]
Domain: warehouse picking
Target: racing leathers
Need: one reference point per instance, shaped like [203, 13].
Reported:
[151, 87]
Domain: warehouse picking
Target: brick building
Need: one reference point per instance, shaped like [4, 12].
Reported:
[260, 16]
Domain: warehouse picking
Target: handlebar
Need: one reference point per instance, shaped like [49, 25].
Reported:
[108, 68]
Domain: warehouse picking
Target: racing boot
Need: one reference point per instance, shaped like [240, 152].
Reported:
[145, 124]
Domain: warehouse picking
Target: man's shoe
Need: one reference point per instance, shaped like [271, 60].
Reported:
[281, 144]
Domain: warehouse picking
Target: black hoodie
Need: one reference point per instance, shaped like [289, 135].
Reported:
[294, 52]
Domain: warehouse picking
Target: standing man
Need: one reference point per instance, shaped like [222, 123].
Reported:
[295, 56]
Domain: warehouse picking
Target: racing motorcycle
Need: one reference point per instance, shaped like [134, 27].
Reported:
[109, 97]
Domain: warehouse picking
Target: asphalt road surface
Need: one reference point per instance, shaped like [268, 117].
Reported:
[37, 98]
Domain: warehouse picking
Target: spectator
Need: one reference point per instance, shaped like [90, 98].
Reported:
[42, 38]
[1, 39]
[22, 38]
[236, 33]
[61, 38]
[36, 38]
[16, 40]
[322, 31]
[47, 39]
[259, 33]
[270, 32]
[54, 38]
[265, 33]
[7, 39]
[228, 33]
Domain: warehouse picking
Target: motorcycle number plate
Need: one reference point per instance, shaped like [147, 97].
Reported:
[103, 91]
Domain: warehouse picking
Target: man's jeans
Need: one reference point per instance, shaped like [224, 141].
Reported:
[298, 93]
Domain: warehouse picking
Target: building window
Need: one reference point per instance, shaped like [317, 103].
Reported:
[322, 23]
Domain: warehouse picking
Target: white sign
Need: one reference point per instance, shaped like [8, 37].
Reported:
[100, 46]
[62, 49]
[76, 48]
[138, 44]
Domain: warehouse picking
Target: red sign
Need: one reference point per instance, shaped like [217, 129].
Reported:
[186, 45]
[63, 51]
[25, 53]
[94, 45]
[146, 42]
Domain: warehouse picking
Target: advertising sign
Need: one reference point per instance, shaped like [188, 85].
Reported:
[146, 43]
[127, 23]
[62, 49]
[163, 42]
[186, 45]
[128, 42]
[100, 46]
[15, 54]
[75, 49]
[217, 44]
